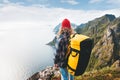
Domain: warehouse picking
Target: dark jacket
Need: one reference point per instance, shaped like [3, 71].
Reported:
[62, 43]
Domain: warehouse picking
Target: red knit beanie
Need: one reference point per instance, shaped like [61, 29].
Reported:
[66, 23]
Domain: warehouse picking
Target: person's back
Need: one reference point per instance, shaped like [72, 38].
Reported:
[62, 48]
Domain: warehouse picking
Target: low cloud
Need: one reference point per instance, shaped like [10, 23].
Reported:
[13, 15]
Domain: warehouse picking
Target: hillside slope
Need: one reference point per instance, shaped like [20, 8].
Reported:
[106, 51]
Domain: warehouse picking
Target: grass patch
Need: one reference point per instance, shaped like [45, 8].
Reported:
[106, 73]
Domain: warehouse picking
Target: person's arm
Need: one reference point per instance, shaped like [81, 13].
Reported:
[59, 43]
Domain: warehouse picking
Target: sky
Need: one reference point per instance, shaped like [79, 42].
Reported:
[69, 4]
[39, 13]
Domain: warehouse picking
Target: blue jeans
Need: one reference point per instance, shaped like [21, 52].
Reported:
[65, 75]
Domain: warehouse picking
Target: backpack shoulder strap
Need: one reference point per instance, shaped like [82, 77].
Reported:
[73, 35]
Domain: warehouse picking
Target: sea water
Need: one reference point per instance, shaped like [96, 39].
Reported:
[24, 52]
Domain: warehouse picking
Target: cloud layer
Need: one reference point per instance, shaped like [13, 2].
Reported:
[42, 16]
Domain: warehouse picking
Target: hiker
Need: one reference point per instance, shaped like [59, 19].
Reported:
[62, 43]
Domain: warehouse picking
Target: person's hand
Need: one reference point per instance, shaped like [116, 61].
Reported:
[55, 65]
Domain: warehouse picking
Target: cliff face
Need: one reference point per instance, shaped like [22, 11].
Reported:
[107, 50]
[96, 27]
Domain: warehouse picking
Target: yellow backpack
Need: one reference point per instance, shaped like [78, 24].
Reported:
[79, 54]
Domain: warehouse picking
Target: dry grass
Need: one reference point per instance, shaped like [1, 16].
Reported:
[103, 74]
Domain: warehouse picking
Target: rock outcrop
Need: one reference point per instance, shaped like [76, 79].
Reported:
[50, 73]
